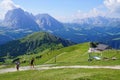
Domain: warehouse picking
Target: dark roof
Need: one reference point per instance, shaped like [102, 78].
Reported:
[102, 47]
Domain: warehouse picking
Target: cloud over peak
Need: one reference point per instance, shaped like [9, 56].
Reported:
[6, 5]
[113, 5]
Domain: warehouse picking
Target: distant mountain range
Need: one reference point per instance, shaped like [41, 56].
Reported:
[99, 21]
[33, 43]
[19, 23]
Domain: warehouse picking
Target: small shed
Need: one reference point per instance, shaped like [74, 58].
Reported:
[97, 47]
[102, 47]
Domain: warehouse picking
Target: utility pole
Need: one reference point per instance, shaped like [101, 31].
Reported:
[55, 58]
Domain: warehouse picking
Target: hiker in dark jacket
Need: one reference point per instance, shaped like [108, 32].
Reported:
[17, 65]
[32, 63]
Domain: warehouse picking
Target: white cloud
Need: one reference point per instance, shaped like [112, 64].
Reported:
[64, 18]
[92, 13]
[6, 5]
[109, 8]
[80, 14]
[113, 5]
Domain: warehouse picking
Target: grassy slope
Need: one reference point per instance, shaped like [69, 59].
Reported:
[64, 55]
[73, 55]
[78, 55]
[63, 74]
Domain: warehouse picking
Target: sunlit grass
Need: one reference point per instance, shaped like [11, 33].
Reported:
[63, 74]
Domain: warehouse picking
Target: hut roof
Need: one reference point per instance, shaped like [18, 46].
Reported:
[102, 47]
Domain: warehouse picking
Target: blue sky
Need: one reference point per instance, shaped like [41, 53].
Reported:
[65, 10]
[58, 6]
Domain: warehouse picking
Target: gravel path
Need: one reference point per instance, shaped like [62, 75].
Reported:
[46, 67]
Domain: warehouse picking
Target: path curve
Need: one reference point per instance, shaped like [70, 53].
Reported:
[46, 67]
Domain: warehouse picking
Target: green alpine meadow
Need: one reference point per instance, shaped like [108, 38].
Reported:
[73, 55]
[59, 39]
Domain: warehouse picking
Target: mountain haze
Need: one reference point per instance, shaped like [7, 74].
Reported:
[19, 23]
[99, 21]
